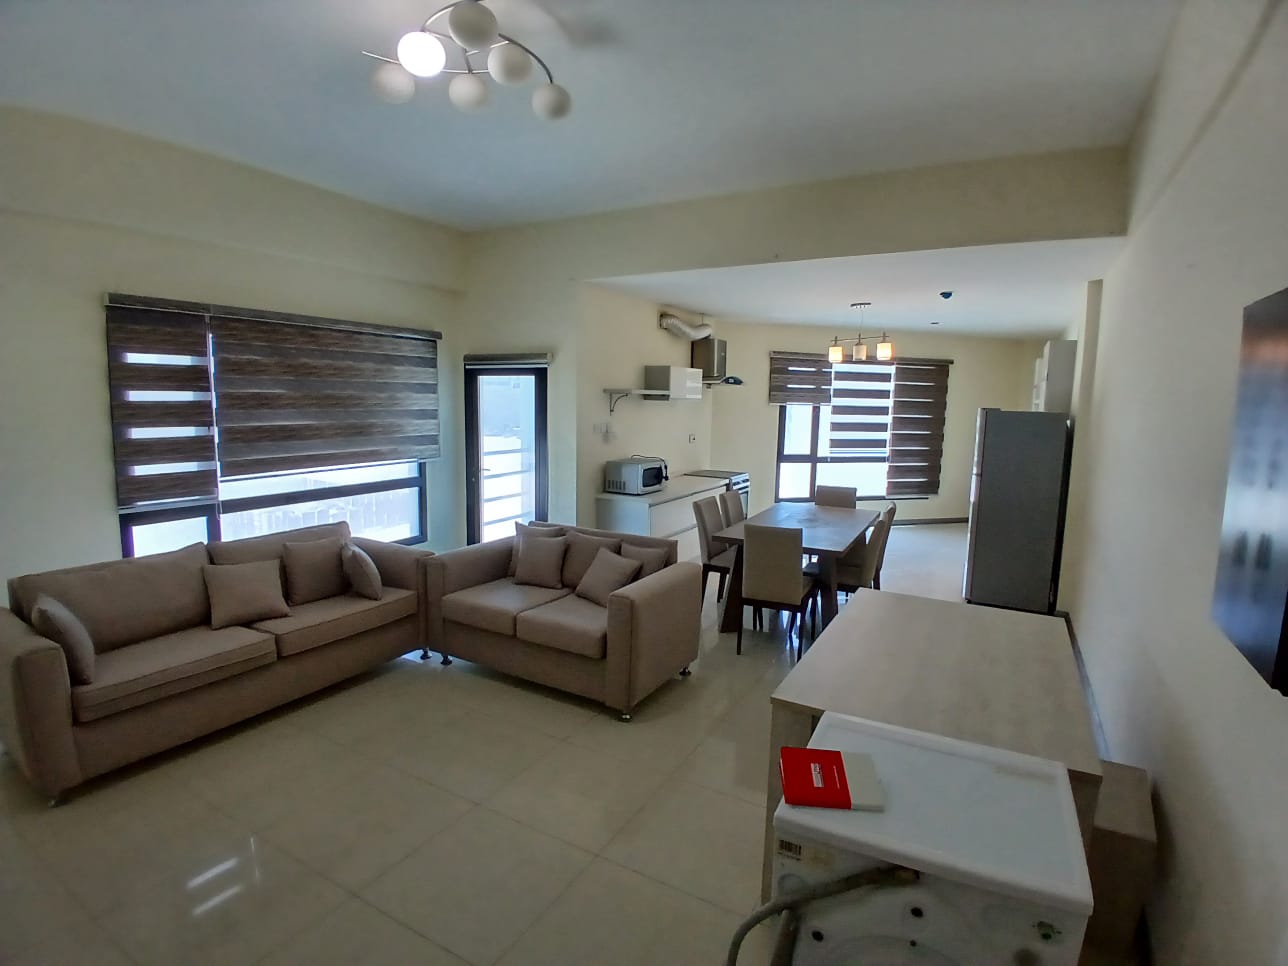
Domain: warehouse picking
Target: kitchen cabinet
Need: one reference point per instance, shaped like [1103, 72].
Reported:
[667, 513]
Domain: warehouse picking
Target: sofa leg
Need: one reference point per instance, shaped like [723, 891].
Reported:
[424, 654]
[57, 800]
[685, 672]
[446, 660]
[624, 716]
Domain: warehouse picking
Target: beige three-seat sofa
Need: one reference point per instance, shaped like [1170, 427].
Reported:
[163, 675]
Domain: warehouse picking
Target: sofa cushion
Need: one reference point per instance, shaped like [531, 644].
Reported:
[361, 572]
[493, 606]
[125, 601]
[336, 618]
[610, 572]
[171, 664]
[571, 624]
[314, 570]
[582, 548]
[652, 559]
[270, 546]
[53, 621]
[533, 529]
[541, 562]
[245, 592]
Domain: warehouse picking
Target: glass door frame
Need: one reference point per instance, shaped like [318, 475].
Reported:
[473, 457]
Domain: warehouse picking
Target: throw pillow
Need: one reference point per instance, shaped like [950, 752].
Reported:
[582, 548]
[608, 572]
[314, 569]
[541, 562]
[245, 593]
[361, 572]
[534, 529]
[52, 620]
[652, 559]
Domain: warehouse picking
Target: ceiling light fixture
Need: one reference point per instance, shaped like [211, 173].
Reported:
[472, 32]
[859, 349]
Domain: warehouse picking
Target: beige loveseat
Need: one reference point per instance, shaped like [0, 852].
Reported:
[617, 655]
[162, 676]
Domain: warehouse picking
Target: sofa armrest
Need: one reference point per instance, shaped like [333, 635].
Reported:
[453, 570]
[654, 626]
[402, 567]
[399, 566]
[36, 707]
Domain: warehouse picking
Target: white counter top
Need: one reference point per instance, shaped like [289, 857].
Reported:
[677, 488]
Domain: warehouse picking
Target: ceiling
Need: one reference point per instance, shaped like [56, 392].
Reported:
[673, 99]
[1031, 289]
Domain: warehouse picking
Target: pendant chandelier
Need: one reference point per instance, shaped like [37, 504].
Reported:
[858, 345]
[472, 36]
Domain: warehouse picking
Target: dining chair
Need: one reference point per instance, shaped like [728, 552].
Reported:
[843, 496]
[861, 567]
[717, 558]
[772, 578]
[731, 504]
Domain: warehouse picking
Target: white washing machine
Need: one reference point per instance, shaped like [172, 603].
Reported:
[993, 834]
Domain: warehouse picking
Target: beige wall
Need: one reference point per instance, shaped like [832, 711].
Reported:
[524, 289]
[85, 210]
[985, 372]
[619, 336]
[1175, 696]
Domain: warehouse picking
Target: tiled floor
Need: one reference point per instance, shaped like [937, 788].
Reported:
[433, 815]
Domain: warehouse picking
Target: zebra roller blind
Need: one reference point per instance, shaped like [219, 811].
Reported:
[162, 413]
[295, 396]
[205, 392]
[918, 408]
[800, 377]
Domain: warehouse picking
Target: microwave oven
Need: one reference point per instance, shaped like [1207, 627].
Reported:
[639, 474]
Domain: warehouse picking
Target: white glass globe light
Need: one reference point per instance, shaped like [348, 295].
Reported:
[468, 92]
[509, 64]
[551, 101]
[421, 53]
[393, 84]
[472, 25]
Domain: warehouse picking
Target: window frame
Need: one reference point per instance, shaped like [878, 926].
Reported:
[813, 459]
[419, 481]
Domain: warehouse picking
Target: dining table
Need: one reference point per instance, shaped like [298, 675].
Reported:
[827, 532]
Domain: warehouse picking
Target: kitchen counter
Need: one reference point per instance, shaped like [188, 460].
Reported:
[677, 488]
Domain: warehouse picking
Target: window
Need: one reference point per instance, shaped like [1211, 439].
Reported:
[229, 423]
[881, 432]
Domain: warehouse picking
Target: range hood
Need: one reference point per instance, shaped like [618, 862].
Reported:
[709, 355]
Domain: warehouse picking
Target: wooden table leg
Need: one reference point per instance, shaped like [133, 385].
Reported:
[733, 597]
[790, 727]
[827, 578]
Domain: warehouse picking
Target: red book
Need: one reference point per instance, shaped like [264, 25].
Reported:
[825, 778]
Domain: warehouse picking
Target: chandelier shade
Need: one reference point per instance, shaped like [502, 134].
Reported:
[472, 49]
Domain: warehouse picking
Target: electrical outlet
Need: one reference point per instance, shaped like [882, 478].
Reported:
[693, 438]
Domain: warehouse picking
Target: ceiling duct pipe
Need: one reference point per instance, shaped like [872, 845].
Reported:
[681, 329]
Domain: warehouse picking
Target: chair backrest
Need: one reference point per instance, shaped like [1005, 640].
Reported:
[888, 516]
[731, 504]
[868, 561]
[846, 496]
[771, 568]
[710, 520]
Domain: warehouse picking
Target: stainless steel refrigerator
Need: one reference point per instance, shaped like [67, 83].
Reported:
[1017, 499]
